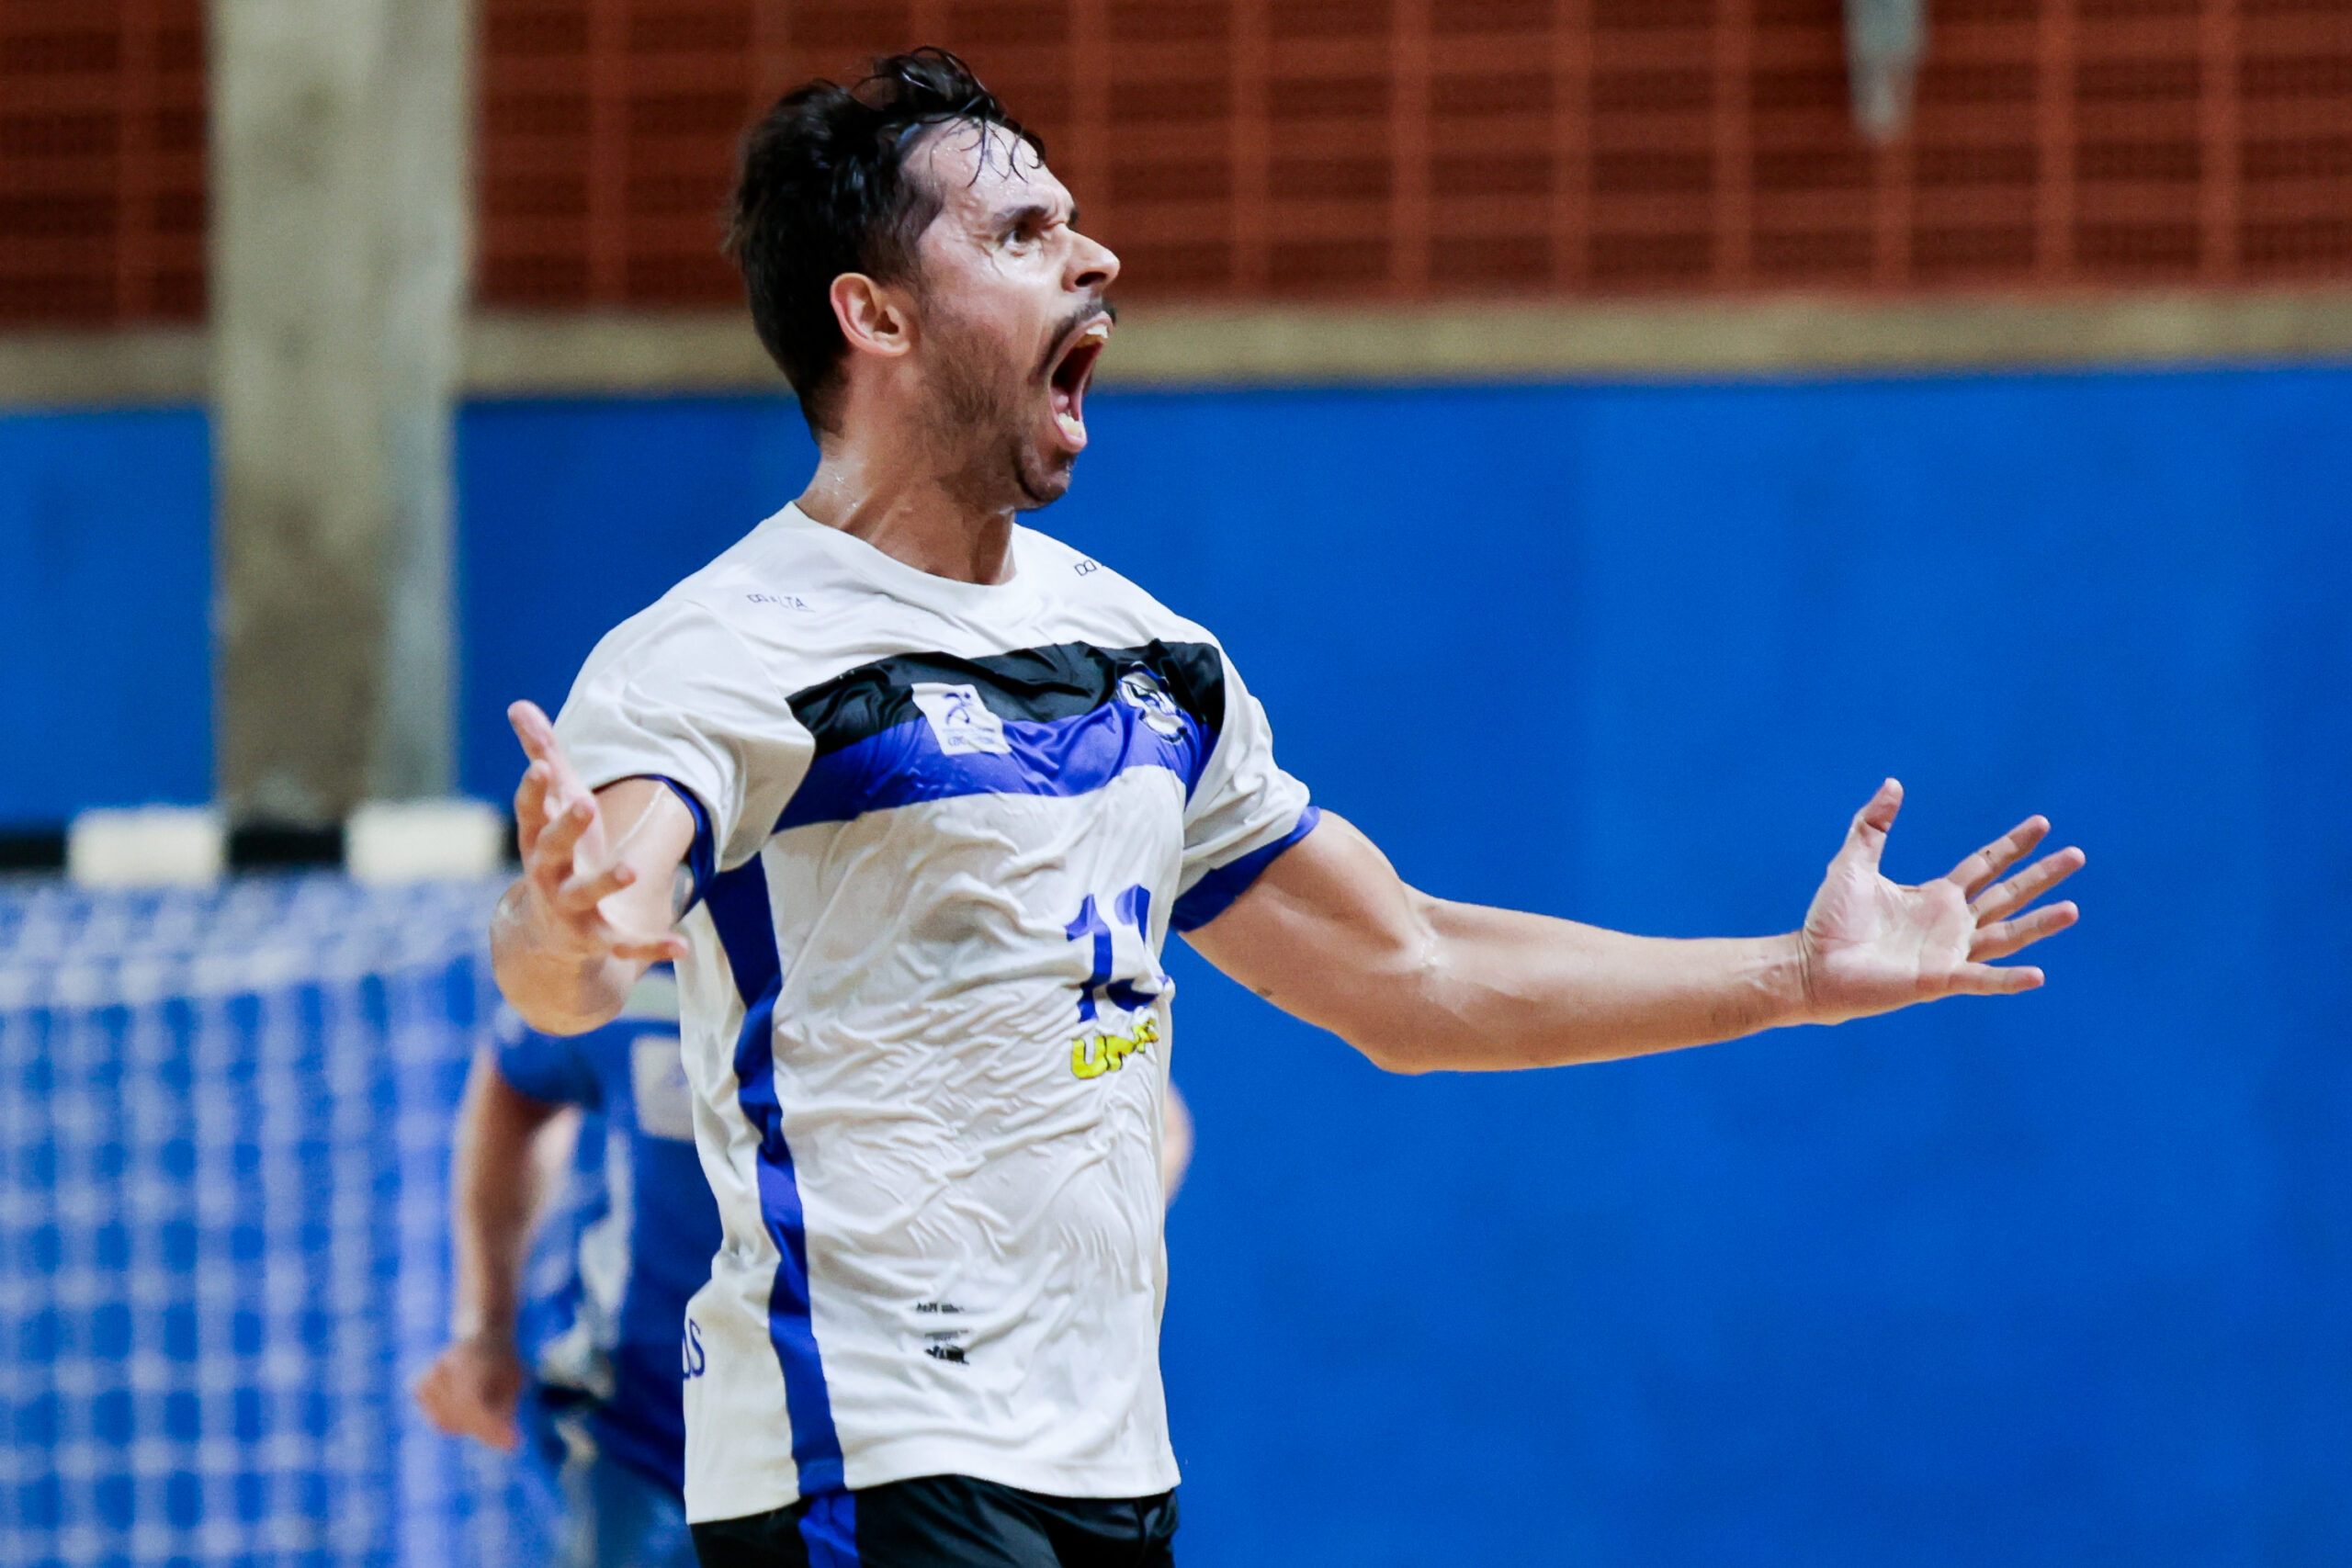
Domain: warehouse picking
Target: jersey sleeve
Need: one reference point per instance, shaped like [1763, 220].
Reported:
[1244, 812]
[549, 1068]
[675, 694]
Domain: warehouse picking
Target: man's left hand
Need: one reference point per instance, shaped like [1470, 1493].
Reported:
[1870, 945]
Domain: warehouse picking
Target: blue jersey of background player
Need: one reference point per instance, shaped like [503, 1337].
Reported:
[570, 1347]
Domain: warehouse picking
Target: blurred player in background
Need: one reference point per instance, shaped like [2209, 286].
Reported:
[584, 1375]
[575, 1360]
[914, 795]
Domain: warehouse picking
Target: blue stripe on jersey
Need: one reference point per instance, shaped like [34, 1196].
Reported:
[738, 907]
[1076, 755]
[1214, 894]
[829, 1529]
[702, 856]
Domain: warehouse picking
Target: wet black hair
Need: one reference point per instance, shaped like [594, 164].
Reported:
[823, 190]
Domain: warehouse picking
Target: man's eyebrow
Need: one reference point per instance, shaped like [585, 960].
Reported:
[1034, 211]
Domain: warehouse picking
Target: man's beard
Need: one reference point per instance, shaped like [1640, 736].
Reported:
[981, 423]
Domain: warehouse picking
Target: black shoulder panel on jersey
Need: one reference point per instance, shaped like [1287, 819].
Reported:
[1035, 683]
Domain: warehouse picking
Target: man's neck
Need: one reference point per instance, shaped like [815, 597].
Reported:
[918, 519]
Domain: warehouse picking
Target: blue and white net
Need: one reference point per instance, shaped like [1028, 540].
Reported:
[224, 1132]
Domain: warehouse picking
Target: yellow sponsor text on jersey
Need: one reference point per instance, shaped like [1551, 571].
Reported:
[1091, 1055]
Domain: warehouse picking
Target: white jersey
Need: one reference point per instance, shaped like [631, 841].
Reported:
[944, 829]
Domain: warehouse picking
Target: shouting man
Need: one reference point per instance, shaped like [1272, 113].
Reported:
[913, 795]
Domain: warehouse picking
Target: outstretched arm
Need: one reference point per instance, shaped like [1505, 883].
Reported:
[1330, 934]
[599, 890]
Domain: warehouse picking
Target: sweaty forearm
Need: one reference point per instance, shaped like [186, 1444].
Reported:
[556, 990]
[1330, 934]
[1491, 989]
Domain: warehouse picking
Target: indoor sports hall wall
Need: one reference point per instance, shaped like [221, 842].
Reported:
[2050, 1282]
[106, 695]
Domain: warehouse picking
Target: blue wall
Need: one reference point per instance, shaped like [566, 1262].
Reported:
[2060, 1280]
[577, 516]
[106, 689]
[2050, 1280]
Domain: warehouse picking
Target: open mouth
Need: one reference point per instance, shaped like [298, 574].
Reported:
[1066, 386]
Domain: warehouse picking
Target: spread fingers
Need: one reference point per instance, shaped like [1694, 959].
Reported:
[1973, 873]
[551, 856]
[2004, 937]
[581, 894]
[2007, 899]
[1991, 980]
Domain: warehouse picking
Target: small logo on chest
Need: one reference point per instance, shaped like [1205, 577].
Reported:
[961, 722]
[1141, 690]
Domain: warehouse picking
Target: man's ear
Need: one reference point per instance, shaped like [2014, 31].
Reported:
[874, 317]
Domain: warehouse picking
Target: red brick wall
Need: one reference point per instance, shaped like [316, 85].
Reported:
[101, 161]
[1355, 149]
[1406, 148]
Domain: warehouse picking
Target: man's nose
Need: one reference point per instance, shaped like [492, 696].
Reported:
[1093, 265]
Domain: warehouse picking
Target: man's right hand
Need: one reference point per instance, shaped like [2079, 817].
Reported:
[570, 866]
[593, 906]
[470, 1391]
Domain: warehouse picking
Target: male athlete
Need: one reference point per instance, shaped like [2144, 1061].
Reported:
[940, 788]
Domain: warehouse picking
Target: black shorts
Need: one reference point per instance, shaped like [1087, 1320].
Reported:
[946, 1521]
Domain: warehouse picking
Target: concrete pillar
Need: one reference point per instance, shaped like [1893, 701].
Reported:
[1885, 41]
[341, 134]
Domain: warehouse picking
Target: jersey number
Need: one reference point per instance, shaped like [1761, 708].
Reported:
[1132, 909]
